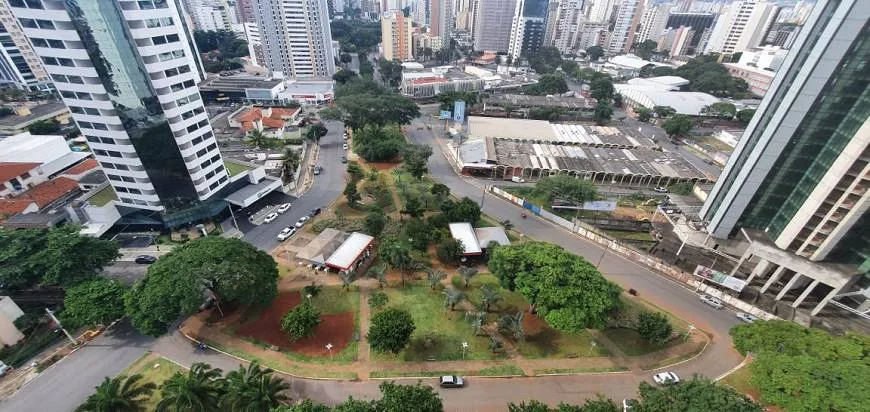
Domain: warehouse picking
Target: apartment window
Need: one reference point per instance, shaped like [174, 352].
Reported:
[37, 24]
[76, 95]
[62, 78]
[162, 22]
[196, 140]
[176, 71]
[84, 110]
[50, 43]
[185, 100]
[177, 54]
[100, 152]
[170, 38]
[194, 112]
[177, 87]
[29, 4]
[152, 4]
[58, 61]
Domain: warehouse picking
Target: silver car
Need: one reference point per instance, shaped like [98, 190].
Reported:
[716, 303]
[747, 317]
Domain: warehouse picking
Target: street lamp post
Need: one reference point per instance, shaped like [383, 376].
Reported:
[329, 348]
[602, 255]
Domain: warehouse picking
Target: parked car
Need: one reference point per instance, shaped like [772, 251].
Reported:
[270, 217]
[145, 259]
[344, 159]
[747, 317]
[344, 146]
[317, 170]
[661, 189]
[286, 233]
[666, 378]
[345, 136]
[716, 303]
[452, 381]
[285, 207]
[315, 212]
[301, 221]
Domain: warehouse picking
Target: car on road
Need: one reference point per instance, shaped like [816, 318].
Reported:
[451, 381]
[666, 378]
[661, 189]
[345, 136]
[716, 303]
[747, 317]
[344, 146]
[286, 233]
[270, 217]
[344, 159]
[317, 170]
[301, 221]
[315, 212]
[145, 259]
[285, 207]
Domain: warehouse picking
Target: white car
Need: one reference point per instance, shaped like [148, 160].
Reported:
[716, 303]
[345, 136]
[747, 317]
[450, 381]
[661, 189]
[344, 146]
[4, 368]
[666, 378]
[270, 217]
[301, 221]
[285, 207]
[286, 233]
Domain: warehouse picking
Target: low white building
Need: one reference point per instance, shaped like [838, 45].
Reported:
[688, 103]
[27, 160]
[9, 311]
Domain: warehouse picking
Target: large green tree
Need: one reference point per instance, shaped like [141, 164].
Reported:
[722, 110]
[706, 74]
[594, 53]
[378, 144]
[603, 112]
[602, 88]
[301, 321]
[365, 103]
[654, 328]
[390, 330]
[565, 188]
[466, 210]
[57, 256]
[678, 125]
[645, 49]
[400, 398]
[94, 302]
[745, 115]
[567, 291]
[230, 270]
[198, 390]
[119, 394]
[415, 157]
[252, 389]
[548, 84]
[696, 394]
[806, 369]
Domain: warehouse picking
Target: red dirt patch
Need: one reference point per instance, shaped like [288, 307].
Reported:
[533, 324]
[336, 328]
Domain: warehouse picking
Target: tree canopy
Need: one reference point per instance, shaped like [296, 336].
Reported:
[57, 256]
[390, 330]
[745, 115]
[98, 301]
[565, 188]
[301, 321]
[594, 53]
[568, 292]
[378, 144]
[805, 369]
[344, 76]
[229, 269]
[415, 157]
[645, 49]
[696, 394]
[722, 110]
[601, 88]
[706, 74]
[466, 210]
[654, 328]
[224, 41]
[548, 84]
[356, 35]
[366, 103]
[678, 125]
[546, 60]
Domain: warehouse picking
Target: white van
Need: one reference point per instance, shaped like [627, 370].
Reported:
[517, 179]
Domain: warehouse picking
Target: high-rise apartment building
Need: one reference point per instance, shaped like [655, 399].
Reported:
[701, 24]
[599, 11]
[533, 35]
[742, 26]
[296, 37]
[396, 36]
[653, 22]
[19, 65]
[796, 187]
[128, 72]
[211, 15]
[441, 18]
[627, 19]
[565, 18]
[494, 23]
[245, 11]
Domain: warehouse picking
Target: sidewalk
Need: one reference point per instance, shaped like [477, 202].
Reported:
[129, 254]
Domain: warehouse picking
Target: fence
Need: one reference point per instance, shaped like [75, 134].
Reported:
[634, 255]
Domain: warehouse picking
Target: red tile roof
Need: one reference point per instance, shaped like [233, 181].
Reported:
[272, 123]
[275, 120]
[45, 193]
[250, 115]
[82, 167]
[11, 207]
[11, 170]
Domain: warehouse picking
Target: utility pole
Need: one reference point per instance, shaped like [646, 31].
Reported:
[51, 315]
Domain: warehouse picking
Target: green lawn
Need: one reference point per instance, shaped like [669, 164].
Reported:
[154, 369]
[104, 196]
[630, 342]
[335, 300]
[497, 370]
[739, 380]
[439, 332]
[550, 343]
[234, 168]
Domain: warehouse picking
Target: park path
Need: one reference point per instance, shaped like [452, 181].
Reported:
[364, 320]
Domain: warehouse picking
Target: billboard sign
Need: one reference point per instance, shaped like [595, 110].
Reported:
[445, 114]
[721, 278]
[459, 111]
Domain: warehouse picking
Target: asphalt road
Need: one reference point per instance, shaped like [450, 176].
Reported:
[68, 383]
[326, 188]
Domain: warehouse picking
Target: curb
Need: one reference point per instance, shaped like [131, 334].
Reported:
[276, 370]
[82, 345]
[704, 349]
[734, 369]
[464, 376]
[585, 373]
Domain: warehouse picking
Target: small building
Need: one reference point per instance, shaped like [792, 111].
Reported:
[688, 103]
[46, 195]
[27, 115]
[27, 160]
[334, 249]
[9, 311]
[476, 240]
[274, 122]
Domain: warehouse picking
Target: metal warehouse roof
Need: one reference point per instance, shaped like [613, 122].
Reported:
[349, 251]
[465, 234]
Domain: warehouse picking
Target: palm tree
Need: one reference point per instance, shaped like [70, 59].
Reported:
[477, 319]
[489, 297]
[379, 272]
[513, 325]
[119, 394]
[495, 345]
[257, 139]
[452, 297]
[290, 163]
[435, 276]
[197, 391]
[253, 389]
[467, 273]
[347, 278]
